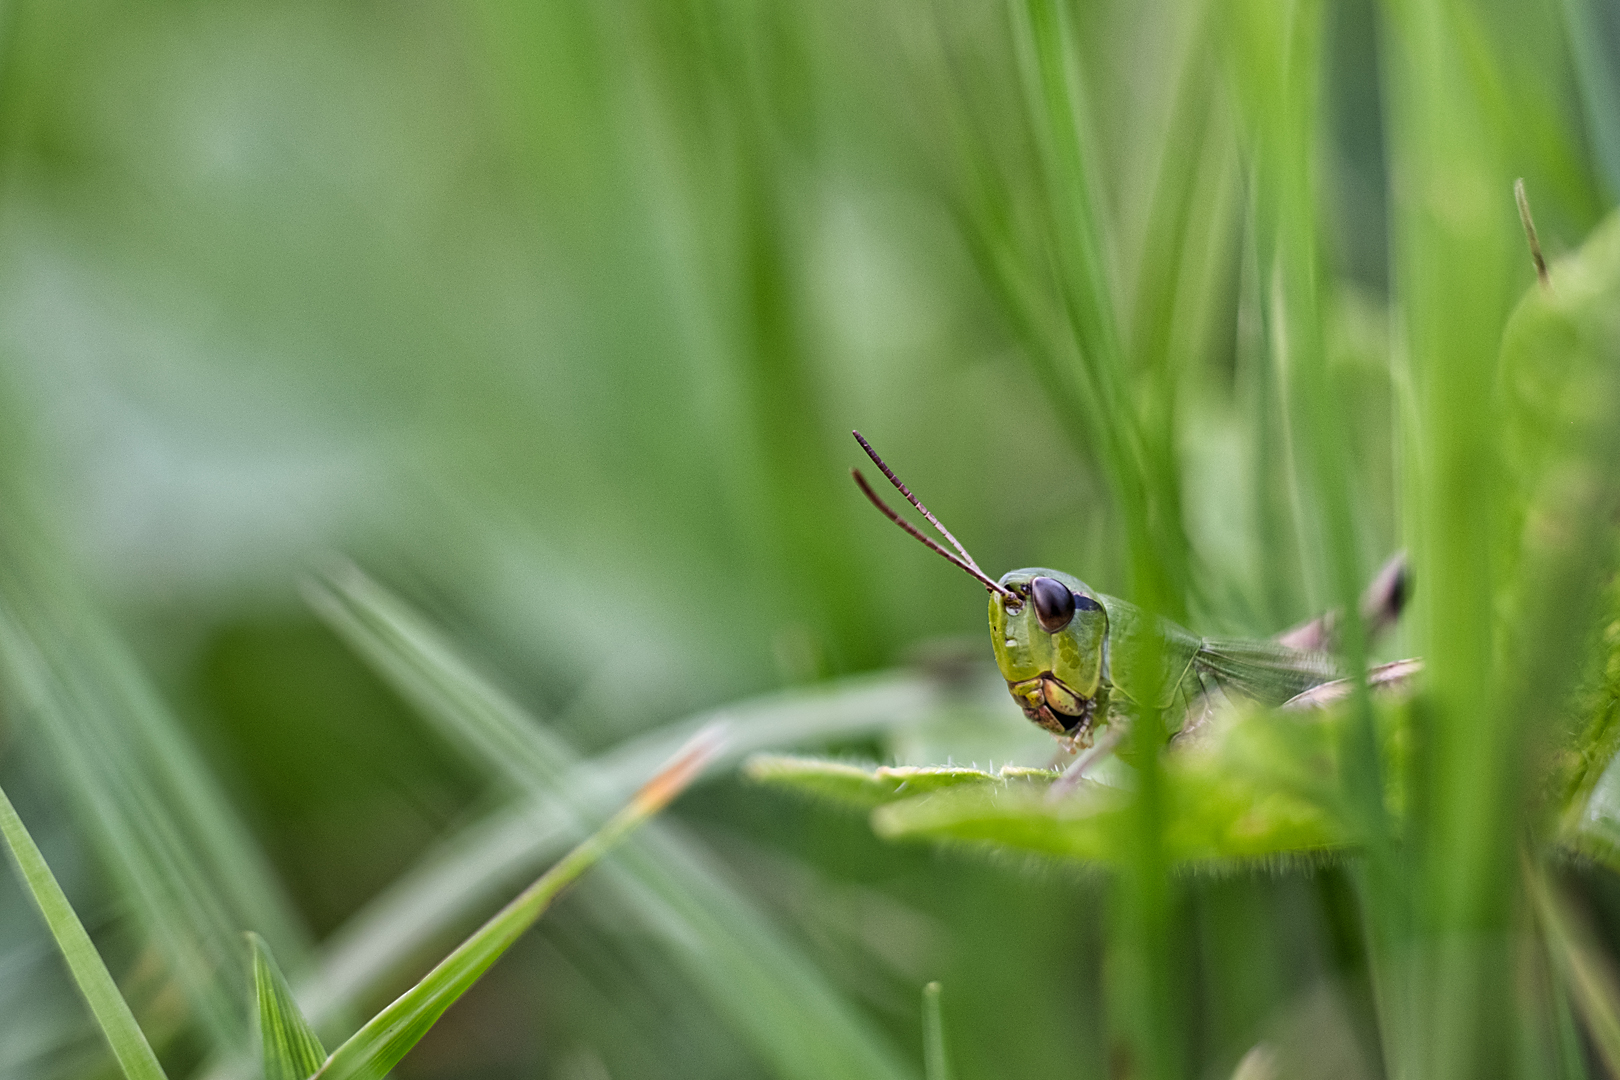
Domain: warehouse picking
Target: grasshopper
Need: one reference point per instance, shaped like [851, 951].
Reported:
[1065, 649]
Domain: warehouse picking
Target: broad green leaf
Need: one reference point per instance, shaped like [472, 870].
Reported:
[387, 1037]
[1560, 388]
[870, 786]
[288, 1047]
[1258, 787]
[1556, 376]
[112, 1013]
[1210, 822]
[1083, 826]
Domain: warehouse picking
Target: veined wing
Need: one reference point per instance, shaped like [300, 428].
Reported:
[1266, 671]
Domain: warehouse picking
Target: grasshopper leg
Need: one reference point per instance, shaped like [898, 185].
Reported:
[1076, 772]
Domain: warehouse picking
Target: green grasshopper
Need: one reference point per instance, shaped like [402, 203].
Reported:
[1064, 648]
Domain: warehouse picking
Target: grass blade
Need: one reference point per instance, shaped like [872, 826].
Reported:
[1599, 87]
[288, 1046]
[1455, 260]
[388, 1036]
[1580, 962]
[111, 1011]
[936, 1066]
[190, 869]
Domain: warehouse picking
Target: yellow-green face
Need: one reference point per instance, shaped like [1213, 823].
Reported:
[1053, 670]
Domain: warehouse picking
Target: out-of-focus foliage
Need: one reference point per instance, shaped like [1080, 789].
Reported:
[555, 317]
[124, 1036]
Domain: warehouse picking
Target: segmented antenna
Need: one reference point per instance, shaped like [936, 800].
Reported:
[965, 561]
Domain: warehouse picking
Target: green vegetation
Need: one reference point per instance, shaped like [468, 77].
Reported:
[423, 421]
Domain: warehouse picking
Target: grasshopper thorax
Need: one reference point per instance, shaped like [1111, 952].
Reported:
[1050, 635]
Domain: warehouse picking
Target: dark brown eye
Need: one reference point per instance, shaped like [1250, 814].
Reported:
[1054, 603]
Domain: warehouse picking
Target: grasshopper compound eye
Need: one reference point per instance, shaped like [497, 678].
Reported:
[1054, 603]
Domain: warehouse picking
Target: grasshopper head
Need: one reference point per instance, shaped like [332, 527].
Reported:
[1048, 629]
[1048, 636]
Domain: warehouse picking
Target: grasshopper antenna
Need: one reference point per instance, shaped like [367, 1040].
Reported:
[965, 561]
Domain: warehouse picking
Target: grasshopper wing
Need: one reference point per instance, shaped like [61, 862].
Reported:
[1266, 671]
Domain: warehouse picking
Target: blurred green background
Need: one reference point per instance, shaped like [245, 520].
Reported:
[555, 317]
